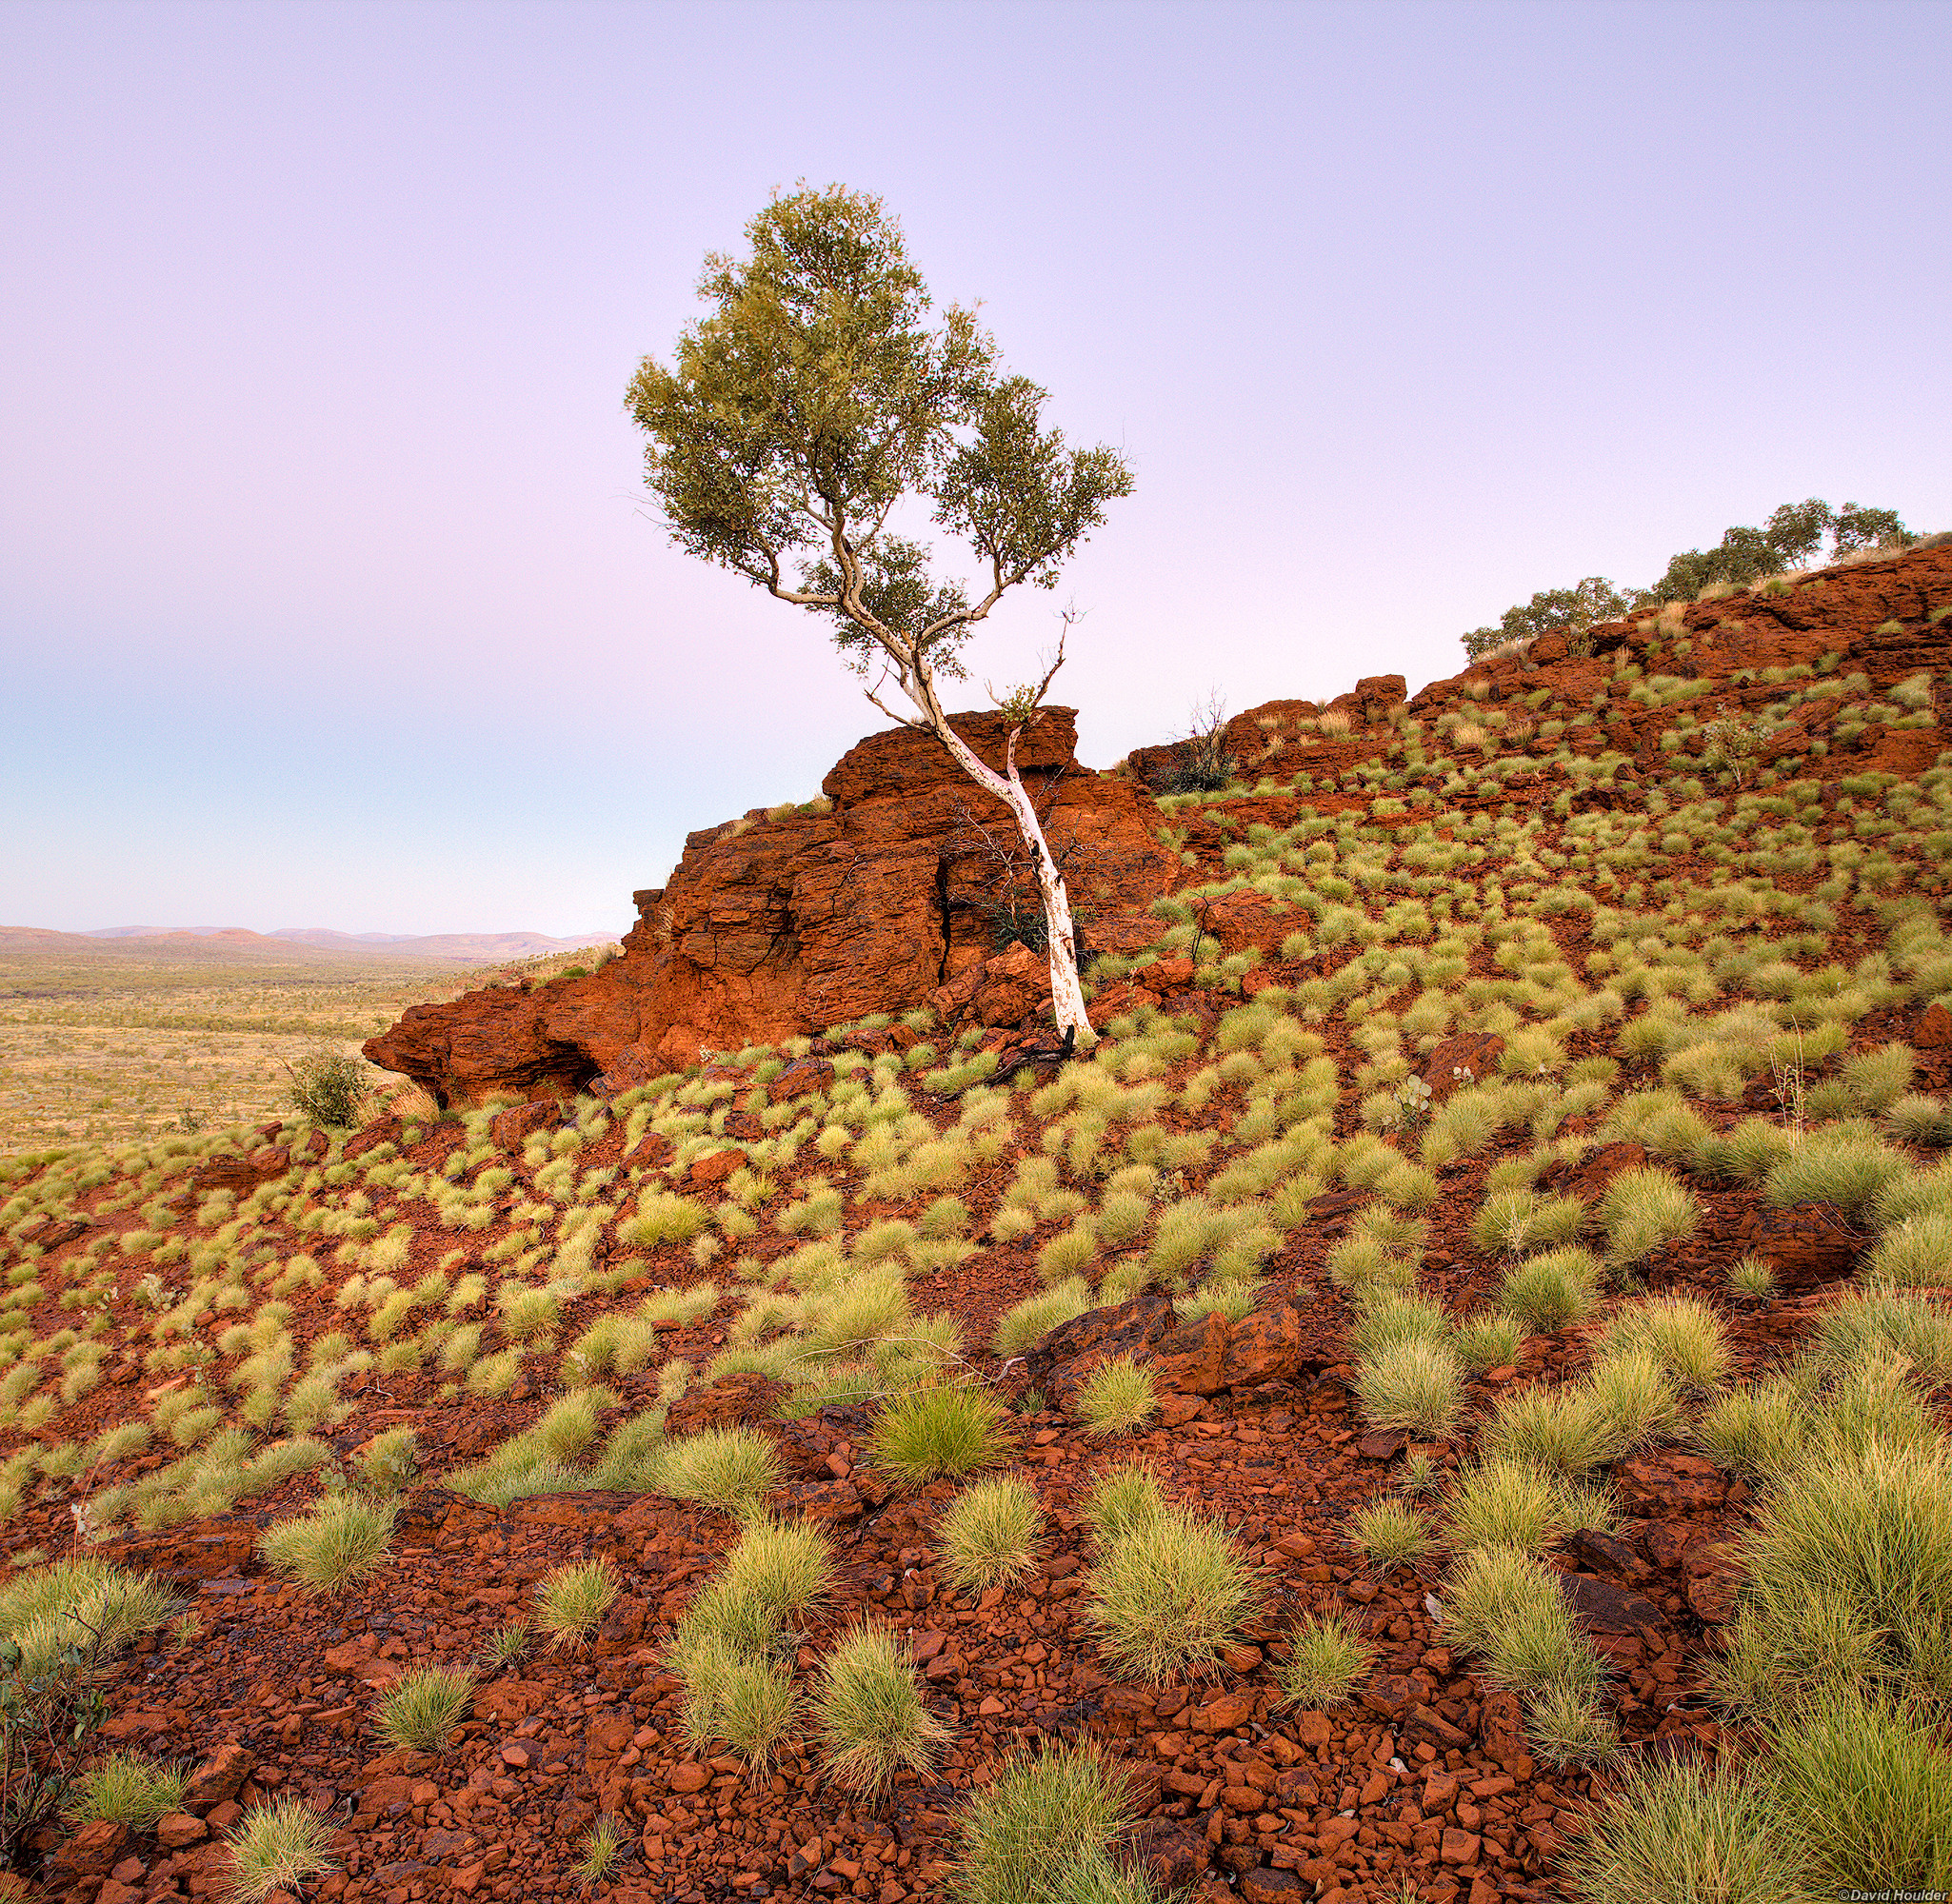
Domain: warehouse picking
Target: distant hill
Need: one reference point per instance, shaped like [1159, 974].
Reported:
[462, 948]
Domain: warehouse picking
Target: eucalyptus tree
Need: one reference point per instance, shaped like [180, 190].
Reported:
[813, 424]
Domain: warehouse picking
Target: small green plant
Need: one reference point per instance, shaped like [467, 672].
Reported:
[342, 1540]
[422, 1713]
[869, 1712]
[1548, 1292]
[1683, 1832]
[327, 1087]
[504, 1646]
[989, 1534]
[276, 1846]
[952, 1430]
[732, 1469]
[1117, 1396]
[1170, 1591]
[1389, 1533]
[1416, 1385]
[571, 1602]
[1864, 1786]
[604, 1845]
[1041, 1834]
[1121, 1499]
[128, 1788]
[1325, 1658]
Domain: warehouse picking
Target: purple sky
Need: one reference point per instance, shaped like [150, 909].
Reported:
[327, 595]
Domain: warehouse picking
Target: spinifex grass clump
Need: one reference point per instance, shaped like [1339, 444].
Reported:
[989, 1534]
[939, 1431]
[1043, 1832]
[1169, 1592]
[130, 1788]
[571, 1602]
[277, 1847]
[869, 1712]
[423, 1711]
[342, 1539]
[1325, 1658]
[727, 1468]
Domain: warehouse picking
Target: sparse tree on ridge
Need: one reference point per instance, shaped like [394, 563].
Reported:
[812, 414]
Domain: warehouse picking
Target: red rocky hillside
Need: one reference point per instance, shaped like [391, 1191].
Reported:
[1514, 1158]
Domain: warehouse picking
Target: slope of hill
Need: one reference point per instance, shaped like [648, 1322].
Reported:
[1505, 1219]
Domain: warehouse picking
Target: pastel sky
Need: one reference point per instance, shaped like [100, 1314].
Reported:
[329, 595]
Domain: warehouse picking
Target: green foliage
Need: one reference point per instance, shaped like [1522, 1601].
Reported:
[1568, 611]
[869, 1712]
[1866, 1787]
[1325, 1658]
[1121, 1499]
[570, 1601]
[1116, 1396]
[423, 1711]
[342, 1540]
[988, 1533]
[1041, 1834]
[276, 1846]
[732, 1469]
[327, 1086]
[1684, 1831]
[939, 1431]
[128, 1787]
[1170, 1591]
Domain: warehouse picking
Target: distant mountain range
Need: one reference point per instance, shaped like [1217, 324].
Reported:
[467, 948]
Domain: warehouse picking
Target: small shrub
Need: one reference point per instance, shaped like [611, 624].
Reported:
[939, 1431]
[423, 1710]
[276, 1846]
[1325, 1658]
[870, 1713]
[1679, 1832]
[732, 1469]
[571, 1602]
[128, 1788]
[1041, 1834]
[505, 1645]
[1846, 1164]
[327, 1086]
[1119, 1500]
[1563, 1430]
[1117, 1396]
[1169, 1593]
[1414, 1386]
[342, 1539]
[987, 1534]
[744, 1699]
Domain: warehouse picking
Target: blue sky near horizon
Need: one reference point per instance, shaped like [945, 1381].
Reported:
[328, 591]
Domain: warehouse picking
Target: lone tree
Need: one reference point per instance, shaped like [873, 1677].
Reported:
[812, 414]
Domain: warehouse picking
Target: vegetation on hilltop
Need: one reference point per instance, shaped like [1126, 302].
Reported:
[1790, 539]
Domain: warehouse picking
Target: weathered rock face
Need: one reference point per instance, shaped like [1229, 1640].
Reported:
[771, 928]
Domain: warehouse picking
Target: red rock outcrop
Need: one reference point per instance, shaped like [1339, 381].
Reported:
[869, 902]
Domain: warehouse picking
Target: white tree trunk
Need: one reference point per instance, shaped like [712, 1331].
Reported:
[1067, 994]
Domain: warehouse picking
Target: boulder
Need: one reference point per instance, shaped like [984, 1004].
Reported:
[774, 929]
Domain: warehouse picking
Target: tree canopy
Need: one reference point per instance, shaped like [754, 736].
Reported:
[815, 400]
